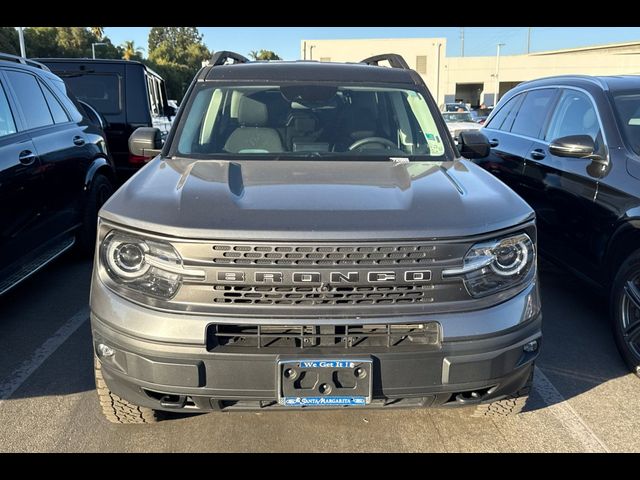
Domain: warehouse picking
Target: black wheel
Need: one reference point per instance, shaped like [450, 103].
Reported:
[99, 192]
[512, 405]
[625, 311]
[118, 410]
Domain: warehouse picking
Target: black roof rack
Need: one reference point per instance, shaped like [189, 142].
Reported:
[221, 57]
[395, 60]
[23, 61]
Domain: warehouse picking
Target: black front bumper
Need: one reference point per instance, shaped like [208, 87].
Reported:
[167, 377]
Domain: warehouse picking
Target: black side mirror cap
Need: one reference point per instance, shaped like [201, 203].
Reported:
[145, 142]
[575, 146]
[473, 144]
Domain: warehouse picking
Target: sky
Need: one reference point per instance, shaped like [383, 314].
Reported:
[285, 41]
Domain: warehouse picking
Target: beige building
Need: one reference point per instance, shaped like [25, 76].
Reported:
[473, 80]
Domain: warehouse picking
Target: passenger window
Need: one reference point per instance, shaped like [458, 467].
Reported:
[31, 99]
[503, 119]
[7, 124]
[533, 112]
[574, 115]
[59, 115]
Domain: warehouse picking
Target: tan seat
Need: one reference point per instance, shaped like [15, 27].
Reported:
[252, 136]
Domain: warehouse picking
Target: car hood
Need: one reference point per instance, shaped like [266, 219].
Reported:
[314, 199]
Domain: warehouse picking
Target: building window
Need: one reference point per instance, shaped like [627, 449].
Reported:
[421, 64]
[325, 59]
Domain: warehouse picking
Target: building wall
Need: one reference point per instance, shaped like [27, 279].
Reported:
[432, 49]
[598, 60]
[519, 68]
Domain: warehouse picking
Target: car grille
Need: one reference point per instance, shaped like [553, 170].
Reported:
[289, 295]
[324, 255]
[426, 335]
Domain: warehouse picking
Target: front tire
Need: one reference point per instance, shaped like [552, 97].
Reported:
[625, 311]
[118, 410]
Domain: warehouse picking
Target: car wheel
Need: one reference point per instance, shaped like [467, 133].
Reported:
[99, 192]
[625, 311]
[118, 410]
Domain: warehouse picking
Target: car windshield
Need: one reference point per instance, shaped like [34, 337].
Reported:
[628, 110]
[307, 120]
[457, 117]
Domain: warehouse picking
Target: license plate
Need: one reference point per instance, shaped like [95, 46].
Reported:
[324, 383]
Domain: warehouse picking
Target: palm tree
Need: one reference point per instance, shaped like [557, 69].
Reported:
[97, 31]
[130, 50]
[254, 54]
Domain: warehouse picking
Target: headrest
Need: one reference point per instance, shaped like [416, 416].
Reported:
[252, 113]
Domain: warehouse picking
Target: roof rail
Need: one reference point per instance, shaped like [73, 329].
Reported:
[395, 60]
[23, 61]
[219, 58]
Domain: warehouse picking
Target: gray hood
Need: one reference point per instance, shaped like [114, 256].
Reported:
[314, 199]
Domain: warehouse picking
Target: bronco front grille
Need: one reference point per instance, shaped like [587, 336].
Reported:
[324, 255]
[356, 295]
[313, 336]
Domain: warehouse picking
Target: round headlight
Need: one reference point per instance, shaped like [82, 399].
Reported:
[127, 258]
[510, 258]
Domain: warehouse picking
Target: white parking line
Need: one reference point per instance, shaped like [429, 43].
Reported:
[565, 413]
[24, 371]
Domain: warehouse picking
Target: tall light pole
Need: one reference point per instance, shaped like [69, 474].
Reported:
[462, 41]
[93, 48]
[311, 47]
[497, 90]
[529, 40]
[23, 49]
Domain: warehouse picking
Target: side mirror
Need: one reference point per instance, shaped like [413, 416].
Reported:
[145, 142]
[473, 144]
[575, 146]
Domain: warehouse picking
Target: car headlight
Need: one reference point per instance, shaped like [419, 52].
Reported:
[496, 265]
[147, 266]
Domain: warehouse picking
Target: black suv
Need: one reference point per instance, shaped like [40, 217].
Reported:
[310, 237]
[55, 171]
[127, 94]
[570, 146]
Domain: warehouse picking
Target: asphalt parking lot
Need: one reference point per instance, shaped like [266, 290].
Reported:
[584, 399]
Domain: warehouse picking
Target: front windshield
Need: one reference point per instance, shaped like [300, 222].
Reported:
[628, 109]
[308, 120]
[450, 117]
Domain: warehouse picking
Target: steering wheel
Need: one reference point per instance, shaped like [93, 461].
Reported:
[379, 140]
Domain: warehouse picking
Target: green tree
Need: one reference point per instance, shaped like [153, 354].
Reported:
[177, 54]
[264, 55]
[70, 42]
[130, 51]
[9, 42]
[98, 32]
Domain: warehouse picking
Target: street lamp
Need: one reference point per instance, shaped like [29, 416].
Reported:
[497, 90]
[23, 50]
[311, 52]
[93, 48]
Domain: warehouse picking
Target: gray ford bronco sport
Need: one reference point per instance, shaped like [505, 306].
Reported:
[309, 236]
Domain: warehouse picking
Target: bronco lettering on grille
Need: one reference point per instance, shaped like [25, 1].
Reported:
[306, 278]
